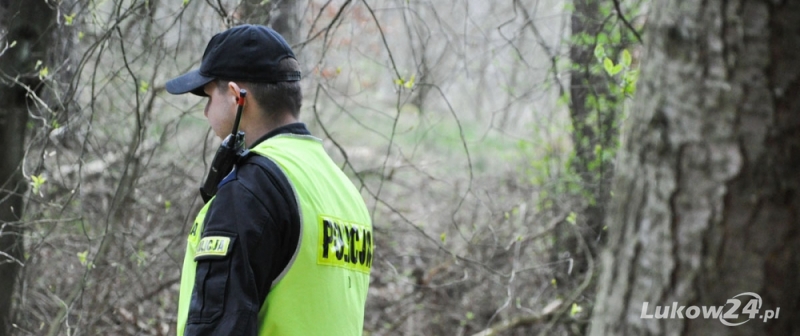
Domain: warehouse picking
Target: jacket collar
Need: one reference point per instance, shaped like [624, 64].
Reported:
[293, 128]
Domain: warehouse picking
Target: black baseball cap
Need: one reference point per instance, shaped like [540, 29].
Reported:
[248, 53]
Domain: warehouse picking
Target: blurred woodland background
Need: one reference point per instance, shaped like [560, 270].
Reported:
[483, 135]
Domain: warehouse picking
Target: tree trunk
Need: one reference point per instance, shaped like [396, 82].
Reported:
[593, 124]
[28, 25]
[281, 15]
[707, 195]
[594, 130]
[12, 131]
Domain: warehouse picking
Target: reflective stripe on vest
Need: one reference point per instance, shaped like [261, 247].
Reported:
[189, 268]
[324, 289]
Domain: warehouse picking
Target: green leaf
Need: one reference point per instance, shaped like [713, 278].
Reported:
[630, 78]
[82, 257]
[37, 182]
[13, 43]
[617, 68]
[410, 83]
[630, 89]
[68, 19]
[167, 205]
[575, 310]
[608, 64]
[143, 86]
[185, 2]
[599, 52]
[43, 73]
[572, 217]
[80, 35]
[626, 58]
[603, 38]
[470, 315]
[443, 237]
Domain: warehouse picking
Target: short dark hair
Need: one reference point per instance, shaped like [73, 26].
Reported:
[274, 98]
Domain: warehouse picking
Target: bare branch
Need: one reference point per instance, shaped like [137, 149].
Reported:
[517, 322]
[10, 258]
[626, 22]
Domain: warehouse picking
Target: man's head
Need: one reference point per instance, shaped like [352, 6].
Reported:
[273, 98]
[255, 58]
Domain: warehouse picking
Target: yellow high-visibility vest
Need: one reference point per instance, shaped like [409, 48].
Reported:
[323, 290]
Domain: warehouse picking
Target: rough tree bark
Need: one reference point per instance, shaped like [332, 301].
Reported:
[281, 15]
[707, 195]
[593, 126]
[28, 23]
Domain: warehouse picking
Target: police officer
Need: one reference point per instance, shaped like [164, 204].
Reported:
[285, 247]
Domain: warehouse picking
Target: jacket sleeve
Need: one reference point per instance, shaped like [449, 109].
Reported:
[242, 246]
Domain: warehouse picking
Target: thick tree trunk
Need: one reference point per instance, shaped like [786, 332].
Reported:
[707, 195]
[28, 25]
[12, 131]
[281, 15]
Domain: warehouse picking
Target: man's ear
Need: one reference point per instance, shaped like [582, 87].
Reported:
[233, 88]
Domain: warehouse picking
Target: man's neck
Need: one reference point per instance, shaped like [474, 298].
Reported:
[258, 130]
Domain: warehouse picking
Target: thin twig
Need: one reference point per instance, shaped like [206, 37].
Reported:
[579, 291]
[383, 38]
[11, 259]
[618, 8]
[310, 38]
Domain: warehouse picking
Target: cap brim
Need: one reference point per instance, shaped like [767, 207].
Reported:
[190, 82]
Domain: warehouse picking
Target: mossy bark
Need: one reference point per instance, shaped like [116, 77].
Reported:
[707, 193]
